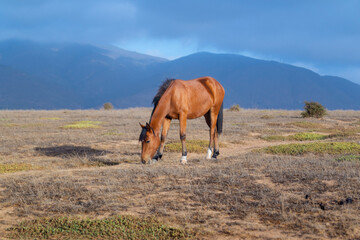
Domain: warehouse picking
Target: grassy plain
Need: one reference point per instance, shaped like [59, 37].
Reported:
[77, 174]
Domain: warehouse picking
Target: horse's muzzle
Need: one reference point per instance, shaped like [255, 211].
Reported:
[145, 160]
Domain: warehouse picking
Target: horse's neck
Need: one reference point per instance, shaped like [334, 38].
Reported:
[159, 115]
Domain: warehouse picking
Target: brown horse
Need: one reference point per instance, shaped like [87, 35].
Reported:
[179, 99]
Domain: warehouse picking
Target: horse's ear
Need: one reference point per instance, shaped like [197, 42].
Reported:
[142, 126]
[149, 129]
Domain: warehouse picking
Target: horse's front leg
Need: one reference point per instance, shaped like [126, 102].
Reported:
[182, 120]
[164, 132]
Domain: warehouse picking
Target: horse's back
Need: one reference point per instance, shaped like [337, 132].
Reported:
[197, 96]
[213, 88]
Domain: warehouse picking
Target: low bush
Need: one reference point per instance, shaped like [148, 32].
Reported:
[313, 109]
[235, 108]
[108, 106]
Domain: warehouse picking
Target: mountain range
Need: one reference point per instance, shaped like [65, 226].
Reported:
[79, 76]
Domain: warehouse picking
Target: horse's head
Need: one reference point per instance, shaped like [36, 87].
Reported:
[150, 143]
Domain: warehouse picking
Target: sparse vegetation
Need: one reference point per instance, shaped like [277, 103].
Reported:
[245, 194]
[307, 125]
[50, 118]
[235, 108]
[196, 146]
[83, 124]
[305, 136]
[266, 117]
[347, 158]
[15, 167]
[332, 148]
[119, 227]
[313, 109]
[7, 124]
[108, 106]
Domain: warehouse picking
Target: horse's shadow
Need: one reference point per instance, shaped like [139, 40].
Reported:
[71, 151]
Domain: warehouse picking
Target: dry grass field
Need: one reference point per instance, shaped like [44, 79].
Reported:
[77, 175]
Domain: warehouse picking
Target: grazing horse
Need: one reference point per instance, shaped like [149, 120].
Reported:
[179, 99]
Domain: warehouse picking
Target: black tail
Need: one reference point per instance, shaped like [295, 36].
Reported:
[219, 123]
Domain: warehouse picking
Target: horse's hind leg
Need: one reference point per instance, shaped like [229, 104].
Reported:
[208, 122]
[216, 144]
[164, 132]
[211, 118]
[182, 120]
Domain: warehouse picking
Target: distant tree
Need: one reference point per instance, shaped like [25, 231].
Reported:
[108, 106]
[313, 109]
[235, 108]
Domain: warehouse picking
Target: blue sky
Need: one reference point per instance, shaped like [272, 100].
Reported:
[322, 35]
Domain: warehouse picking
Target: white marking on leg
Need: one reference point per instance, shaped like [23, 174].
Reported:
[183, 160]
[208, 155]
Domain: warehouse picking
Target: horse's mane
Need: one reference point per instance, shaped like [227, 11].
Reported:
[165, 85]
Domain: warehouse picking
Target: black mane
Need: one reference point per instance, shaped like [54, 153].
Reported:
[165, 85]
[142, 134]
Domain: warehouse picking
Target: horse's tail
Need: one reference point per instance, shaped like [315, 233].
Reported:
[219, 122]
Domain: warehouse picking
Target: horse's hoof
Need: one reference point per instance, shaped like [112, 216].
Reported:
[183, 160]
[153, 161]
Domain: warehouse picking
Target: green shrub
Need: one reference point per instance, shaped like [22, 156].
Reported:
[108, 106]
[313, 109]
[235, 108]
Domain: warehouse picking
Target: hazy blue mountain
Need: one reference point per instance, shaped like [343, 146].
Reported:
[256, 83]
[22, 91]
[95, 75]
[43, 75]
